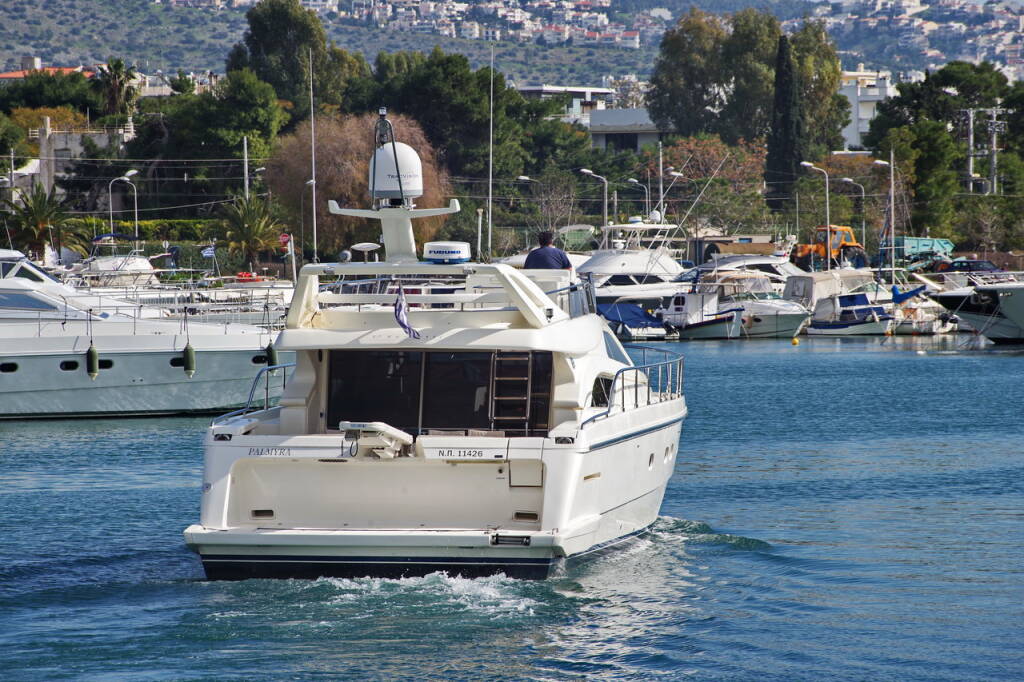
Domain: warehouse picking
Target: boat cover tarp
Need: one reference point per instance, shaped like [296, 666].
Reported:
[629, 314]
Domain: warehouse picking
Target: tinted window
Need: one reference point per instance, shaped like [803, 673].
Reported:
[23, 302]
[28, 274]
[368, 386]
[456, 390]
[615, 350]
[620, 279]
[106, 364]
[8, 367]
[69, 365]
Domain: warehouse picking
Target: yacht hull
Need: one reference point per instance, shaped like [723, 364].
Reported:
[856, 328]
[588, 502]
[773, 326]
[143, 383]
[729, 326]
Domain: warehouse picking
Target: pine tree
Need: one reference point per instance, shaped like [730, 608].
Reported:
[786, 140]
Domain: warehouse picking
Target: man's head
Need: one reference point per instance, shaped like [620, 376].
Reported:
[546, 238]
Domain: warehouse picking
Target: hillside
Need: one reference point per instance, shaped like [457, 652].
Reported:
[156, 36]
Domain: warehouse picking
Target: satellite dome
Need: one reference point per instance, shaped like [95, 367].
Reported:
[389, 180]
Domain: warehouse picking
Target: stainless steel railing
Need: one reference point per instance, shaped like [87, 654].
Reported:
[265, 373]
[664, 382]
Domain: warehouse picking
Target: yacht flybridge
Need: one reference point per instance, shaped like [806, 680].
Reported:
[442, 415]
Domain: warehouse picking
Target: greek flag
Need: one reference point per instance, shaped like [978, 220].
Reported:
[402, 314]
[208, 252]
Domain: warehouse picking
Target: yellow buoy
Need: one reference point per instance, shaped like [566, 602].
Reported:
[795, 341]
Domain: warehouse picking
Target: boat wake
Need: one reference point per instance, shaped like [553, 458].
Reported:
[668, 530]
[493, 595]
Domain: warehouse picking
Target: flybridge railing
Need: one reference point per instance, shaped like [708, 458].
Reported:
[575, 299]
[265, 373]
[657, 379]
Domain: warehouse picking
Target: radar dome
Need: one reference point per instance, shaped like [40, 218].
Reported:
[384, 172]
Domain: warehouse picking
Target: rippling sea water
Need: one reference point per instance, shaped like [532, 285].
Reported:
[847, 509]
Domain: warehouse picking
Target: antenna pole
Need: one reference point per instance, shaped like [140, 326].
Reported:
[312, 151]
[490, 166]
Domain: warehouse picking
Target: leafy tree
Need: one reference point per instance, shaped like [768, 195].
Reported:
[786, 142]
[750, 53]
[686, 92]
[12, 137]
[61, 118]
[818, 74]
[277, 46]
[116, 82]
[250, 227]
[34, 215]
[182, 84]
[40, 89]
[936, 184]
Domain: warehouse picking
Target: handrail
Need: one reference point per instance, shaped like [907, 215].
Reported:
[670, 376]
[252, 392]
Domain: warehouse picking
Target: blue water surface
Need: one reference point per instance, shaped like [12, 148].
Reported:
[842, 509]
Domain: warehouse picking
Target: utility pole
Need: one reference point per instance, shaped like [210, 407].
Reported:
[245, 163]
[995, 126]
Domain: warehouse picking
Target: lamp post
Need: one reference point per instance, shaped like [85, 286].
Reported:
[135, 197]
[828, 215]
[647, 194]
[891, 163]
[604, 213]
[863, 223]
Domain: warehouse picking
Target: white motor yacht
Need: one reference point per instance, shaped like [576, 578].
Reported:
[634, 264]
[492, 425]
[994, 308]
[64, 354]
[777, 269]
[763, 312]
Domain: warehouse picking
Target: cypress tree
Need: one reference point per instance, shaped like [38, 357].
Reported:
[786, 138]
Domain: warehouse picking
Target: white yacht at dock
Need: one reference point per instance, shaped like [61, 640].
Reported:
[68, 354]
[465, 417]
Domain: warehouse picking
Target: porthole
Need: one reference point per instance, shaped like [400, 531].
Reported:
[259, 359]
[69, 365]
[650, 461]
[177, 362]
[8, 367]
[668, 453]
[106, 364]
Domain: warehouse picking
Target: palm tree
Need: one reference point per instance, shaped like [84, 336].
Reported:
[116, 82]
[250, 227]
[35, 215]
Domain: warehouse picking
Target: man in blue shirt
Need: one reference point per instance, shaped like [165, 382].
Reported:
[547, 257]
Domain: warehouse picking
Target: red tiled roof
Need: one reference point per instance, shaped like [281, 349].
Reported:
[51, 70]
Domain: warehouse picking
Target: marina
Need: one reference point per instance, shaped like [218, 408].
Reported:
[862, 526]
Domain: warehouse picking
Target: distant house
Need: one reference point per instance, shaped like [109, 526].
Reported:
[864, 90]
[624, 129]
[583, 100]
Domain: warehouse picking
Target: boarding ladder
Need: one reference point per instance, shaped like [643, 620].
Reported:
[511, 387]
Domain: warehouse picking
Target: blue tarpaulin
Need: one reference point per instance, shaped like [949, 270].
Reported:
[898, 297]
[629, 314]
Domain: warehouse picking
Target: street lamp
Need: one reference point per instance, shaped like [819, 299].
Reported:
[828, 215]
[135, 198]
[863, 224]
[604, 214]
[647, 194]
[891, 163]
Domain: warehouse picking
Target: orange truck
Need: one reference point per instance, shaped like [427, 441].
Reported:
[844, 247]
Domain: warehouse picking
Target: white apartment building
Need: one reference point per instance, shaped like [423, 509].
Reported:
[864, 90]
